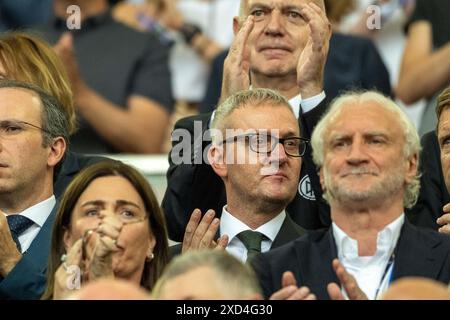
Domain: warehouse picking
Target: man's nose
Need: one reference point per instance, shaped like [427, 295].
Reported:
[275, 23]
[278, 154]
[357, 152]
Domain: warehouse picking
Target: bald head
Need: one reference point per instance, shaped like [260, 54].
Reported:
[111, 289]
[415, 288]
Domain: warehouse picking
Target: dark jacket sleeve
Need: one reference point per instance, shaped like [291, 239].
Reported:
[214, 88]
[264, 274]
[354, 63]
[26, 281]
[433, 192]
[190, 185]
[310, 213]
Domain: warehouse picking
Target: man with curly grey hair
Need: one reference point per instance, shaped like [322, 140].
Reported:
[367, 151]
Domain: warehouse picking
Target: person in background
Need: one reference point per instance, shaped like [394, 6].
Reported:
[436, 175]
[353, 63]
[434, 196]
[196, 31]
[425, 66]
[207, 275]
[122, 93]
[22, 14]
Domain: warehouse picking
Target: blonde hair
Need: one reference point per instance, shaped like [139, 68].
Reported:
[28, 58]
[412, 141]
[443, 102]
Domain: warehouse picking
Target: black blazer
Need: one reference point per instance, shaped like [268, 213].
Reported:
[420, 252]
[72, 164]
[27, 280]
[353, 63]
[289, 231]
[433, 192]
[191, 186]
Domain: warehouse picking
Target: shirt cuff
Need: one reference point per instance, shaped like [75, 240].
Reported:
[310, 103]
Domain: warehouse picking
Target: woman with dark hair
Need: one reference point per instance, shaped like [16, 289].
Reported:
[109, 224]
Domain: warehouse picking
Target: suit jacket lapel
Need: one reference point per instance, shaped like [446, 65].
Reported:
[417, 255]
[40, 247]
[315, 260]
[289, 231]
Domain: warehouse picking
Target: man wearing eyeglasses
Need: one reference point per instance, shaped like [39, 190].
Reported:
[33, 135]
[257, 153]
[280, 45]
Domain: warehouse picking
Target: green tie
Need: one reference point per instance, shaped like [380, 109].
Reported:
[252, 241]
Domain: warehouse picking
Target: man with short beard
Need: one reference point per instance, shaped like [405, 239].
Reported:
[367, 151]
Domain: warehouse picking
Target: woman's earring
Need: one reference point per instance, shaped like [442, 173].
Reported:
[150, 257]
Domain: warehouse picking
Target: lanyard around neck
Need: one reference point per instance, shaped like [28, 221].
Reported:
[389, 266]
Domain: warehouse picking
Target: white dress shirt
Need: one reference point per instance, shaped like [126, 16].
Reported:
[232, 226]
[38, 214]
[368, 271]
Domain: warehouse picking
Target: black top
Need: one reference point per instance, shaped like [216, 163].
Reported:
[436, 13]
[117, 62]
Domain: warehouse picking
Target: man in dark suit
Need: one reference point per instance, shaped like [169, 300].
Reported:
[434, 197]
[443, 130]
[281, 45]
[353, 62]
[33, 135]
[433, 191]
[367, 151]
[257, 152]
[259, 163]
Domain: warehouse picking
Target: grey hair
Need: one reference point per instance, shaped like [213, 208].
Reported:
[412, 141]
[54, 121]
[238, 281]
[245, 98]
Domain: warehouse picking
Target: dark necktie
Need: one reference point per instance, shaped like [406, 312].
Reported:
[18, 224]
[252, 241]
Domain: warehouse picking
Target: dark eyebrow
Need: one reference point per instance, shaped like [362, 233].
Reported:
[126, 202]
[118, 202]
